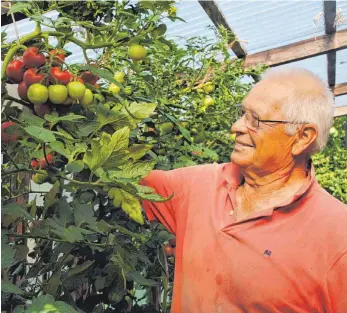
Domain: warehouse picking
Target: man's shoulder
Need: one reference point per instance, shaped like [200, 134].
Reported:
[327, 202]
[331, 213]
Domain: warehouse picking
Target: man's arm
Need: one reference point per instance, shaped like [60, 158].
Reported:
[165, 183]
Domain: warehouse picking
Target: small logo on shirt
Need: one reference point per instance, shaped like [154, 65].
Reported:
[267, 253]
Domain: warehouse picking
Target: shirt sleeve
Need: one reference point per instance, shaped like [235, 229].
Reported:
[165, 183]
[337, 286]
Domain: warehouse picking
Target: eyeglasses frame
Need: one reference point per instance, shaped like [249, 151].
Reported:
[243, 109]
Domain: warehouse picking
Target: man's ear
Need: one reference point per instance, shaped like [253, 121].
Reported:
[306, 136]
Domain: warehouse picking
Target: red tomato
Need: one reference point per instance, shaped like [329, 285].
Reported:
[32, 77]
[7, 137]
[15, 71]
[43, 163]
[89, 77]
[34, 164]
[23, 91]
[32, 58]
[59, 76]
[42, 109]
[168, 250]
[58, 56]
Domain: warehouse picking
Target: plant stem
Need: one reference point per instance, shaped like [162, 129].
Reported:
[104, 245]
[26, 104]
[9, 56]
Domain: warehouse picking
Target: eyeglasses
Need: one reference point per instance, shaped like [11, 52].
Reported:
[252, 119]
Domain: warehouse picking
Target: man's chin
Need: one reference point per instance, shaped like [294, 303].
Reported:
[238, 159]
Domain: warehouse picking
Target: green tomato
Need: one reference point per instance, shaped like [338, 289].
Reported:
[159, 30]
[38, 94]
[233, 137]
[40, 178]
[128, 91]
[69, 101]
[208, 101]
[115, 89]
[119, 77]
[112, 192]
[87, 98]
[137, 52]
[76, 90]
[333, 131]
[209, 87]
[166, 128]
[57, 94]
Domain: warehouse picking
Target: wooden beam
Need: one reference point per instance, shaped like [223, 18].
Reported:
[217, 17]
[340, 111]
[330, 28]
[340, 89]
[329, 17]
[299, 50]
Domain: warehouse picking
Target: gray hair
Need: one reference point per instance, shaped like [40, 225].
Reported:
[310, 102]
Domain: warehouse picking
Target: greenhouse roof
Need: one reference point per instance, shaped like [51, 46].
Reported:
[298, 33]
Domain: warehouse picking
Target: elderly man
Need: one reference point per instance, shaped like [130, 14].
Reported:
[259, 235]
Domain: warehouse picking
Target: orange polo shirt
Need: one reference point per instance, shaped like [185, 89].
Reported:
[289, 258]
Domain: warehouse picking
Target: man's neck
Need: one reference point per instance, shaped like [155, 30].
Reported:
[259, 193]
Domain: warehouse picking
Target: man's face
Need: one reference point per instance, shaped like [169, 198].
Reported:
[268, 148]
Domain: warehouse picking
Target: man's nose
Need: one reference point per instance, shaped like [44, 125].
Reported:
[239, 126]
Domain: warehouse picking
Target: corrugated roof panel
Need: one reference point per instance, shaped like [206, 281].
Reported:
[270, 24]
[341, 100]
[317, 65]
[341, 20]
[197, 22]
[341, 66]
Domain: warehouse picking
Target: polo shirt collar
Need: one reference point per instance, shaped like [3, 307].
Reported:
[233, 178]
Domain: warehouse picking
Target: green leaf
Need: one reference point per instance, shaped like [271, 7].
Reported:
[19, 7]
[69, 150]
[40, 133]
[56, 119]
[75, 166]
[16, 210]
[86, 128]
[138, 151]
[116, 289]
[84, 213]
[53, 283]
[46, 303]
[141, 110]
[75, 234]
[139, 279]
[64, 212]
[8, 287]
[7, 255]
[185, 133]
[133, 170]
[29, 118]
[51, 197]
[79, 269]
[102, 149]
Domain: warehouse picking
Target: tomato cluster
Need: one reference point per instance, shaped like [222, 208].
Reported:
[43, 82]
